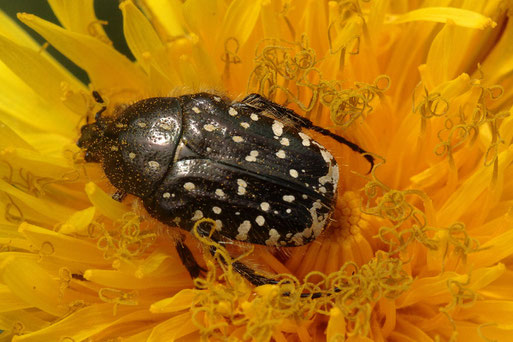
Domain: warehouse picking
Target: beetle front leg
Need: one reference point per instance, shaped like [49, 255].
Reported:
[188, 260]
[247, 272]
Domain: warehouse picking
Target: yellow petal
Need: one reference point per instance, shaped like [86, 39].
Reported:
[46, 80]
[203, 17]
[498, 66]
[9, 138]
[486, 311]
[443, 56]
[12, 31]
[84, 323]
[140, 35]
[168, 12]
[40, 210]
[28, 113]
[9, 301]
[27, 280]
[406, 331]
[104, 203]
[53, 167]
[239, 21]
[78, 16]
[459, 202]
[173, 329]
[56, 244]
[482, 277]
[117, 279]
[145, 44]
[459, 16]
[78, 222]
[180, 301]
[494, 250]
[12, 321]
[435, 286]
[106, 67]
[336, 325]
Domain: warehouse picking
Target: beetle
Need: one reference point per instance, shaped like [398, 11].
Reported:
[249, 165]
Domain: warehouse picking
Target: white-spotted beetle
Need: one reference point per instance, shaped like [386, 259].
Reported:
[247, 165]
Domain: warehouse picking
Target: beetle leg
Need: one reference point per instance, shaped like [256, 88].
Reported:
[188, 260]
[119, 195]
[260, 103]
[247, 272]
[98, 99]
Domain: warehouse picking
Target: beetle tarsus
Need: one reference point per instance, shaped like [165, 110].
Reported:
[119, 196]
[247, 272]
[97, 97]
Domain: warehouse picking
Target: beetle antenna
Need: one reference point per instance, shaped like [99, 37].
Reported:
[346, 142]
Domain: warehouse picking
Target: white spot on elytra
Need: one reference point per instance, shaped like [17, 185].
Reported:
[219, 225]
[216, 210]
[153, 164]
[131, 155]
[165, 126]
[220, 192]
[196, 110]
[306, 139]
[243, 230]
[244, 124]
[217, 99]
[284, 141]
[232, 111]
[238, 139]
[289, 198]
[189, 186]
[141, 124]
[166, 195]
[241, 190]
[318, 222]
[198, 214]
[254, 117]
[293, 173]
[297, 239]
[265, 206]
[288, 211]
[273, 238]
[209, 127]
[252, 156]
[281, 154]
[322, 189]
[326, 156]
[277, 128]
[304, 196]
[260, 220]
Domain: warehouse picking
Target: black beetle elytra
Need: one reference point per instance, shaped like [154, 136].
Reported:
[247, 165]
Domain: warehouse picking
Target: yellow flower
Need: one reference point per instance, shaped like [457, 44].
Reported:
[419, 249]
